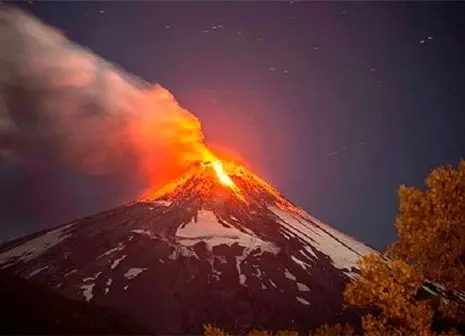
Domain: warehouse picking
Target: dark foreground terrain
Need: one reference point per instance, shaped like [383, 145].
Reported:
[29, 308]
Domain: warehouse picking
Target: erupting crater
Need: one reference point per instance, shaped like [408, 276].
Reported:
[216, 180]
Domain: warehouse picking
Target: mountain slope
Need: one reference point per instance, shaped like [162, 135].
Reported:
[217, 245]
[28, 308]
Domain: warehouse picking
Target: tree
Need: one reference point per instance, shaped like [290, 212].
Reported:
[430, 245]
[333, 330]
[257, 332]
[392, 288]
[431, 227]
[209, 330]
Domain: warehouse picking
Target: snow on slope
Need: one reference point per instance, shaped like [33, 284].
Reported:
[209, 229]
[343, 250]
[35, 247]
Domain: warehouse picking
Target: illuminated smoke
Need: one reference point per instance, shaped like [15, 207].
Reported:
[65, 110]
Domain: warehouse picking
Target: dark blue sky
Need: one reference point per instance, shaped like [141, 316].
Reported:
[335, 103]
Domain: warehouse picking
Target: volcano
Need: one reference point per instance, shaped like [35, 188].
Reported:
[218, 245]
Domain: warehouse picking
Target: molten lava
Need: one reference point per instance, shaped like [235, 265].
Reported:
[223, 177]
[213, 180]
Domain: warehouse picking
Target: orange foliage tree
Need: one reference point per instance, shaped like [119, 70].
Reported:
[431, 227]
[333, 330]
[392, 287]
[431, 245]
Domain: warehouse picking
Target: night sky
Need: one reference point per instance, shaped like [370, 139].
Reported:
[335, 103]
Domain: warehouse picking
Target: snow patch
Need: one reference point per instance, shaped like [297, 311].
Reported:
[304, 265]
[303, 301]
[208, 229]
[70, 272]
[343, 251]
[311, 253]
[120, 247]
[134, 272]
[216, 274]
[239, 260]
[355, 245]
[285, 235]
[35, 246]
[441, 289]
[87, 291]
[163, 203]
[273, 284]
[259, 272]
[117, 261]
[126, 287]
[92, 278]
[222, 259]
[37, 271]
[147, 233]
[429, 290]
[289, 275]
[108, 283]
[248, 231]
[182, 251]
[263, 286]
[302, 287]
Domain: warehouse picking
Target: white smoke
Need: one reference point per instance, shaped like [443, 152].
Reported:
[63, 106]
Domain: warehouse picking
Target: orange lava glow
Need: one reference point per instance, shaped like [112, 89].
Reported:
[168, 139]
[208, 158]
[222, 176]
[221, 173]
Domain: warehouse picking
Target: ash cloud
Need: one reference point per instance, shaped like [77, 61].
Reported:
[78, 134]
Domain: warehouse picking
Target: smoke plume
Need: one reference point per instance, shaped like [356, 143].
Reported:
[77, 133]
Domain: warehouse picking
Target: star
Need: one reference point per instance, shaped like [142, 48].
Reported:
[372, 70]
[316, 48]
[101, 11]
[286, 71]
[167, 27]
[422, 41]
[272, 69]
